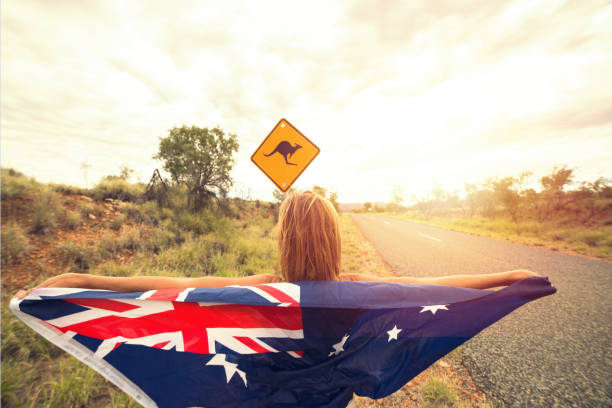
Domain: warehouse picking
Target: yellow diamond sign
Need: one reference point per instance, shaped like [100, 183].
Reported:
[284, 154]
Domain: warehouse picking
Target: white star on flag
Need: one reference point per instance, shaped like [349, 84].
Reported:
[393, 333]
[433, 308]
[339, 347]
[230, 368]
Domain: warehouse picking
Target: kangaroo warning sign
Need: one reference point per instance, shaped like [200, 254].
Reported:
[284, 154]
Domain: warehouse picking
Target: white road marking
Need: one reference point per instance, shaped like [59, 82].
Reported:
[427, 236]
[387, 222]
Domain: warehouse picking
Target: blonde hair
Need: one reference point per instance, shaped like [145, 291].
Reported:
[309, 238]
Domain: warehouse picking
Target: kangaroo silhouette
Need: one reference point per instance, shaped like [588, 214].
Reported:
[285, 149]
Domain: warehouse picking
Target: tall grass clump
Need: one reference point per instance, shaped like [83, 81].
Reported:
[118, 189]
[46, 209]
[14, 183]
[72, 220]
[118, 222]
[203, 222]
[76, 257]
[86, 209]
[133, 212]
[437, 393]
[14, 243]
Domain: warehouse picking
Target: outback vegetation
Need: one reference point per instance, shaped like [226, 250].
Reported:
[556, 211]
[88, 231]
[92, 231]
[183, 227]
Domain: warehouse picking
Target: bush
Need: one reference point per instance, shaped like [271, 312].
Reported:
[14, 244]
[131, 240]
[66, 189]
[109, 246]
[437, 392]
[118, 221]
[45, 211]
[86, 209]
[160, 239]
[77, 257]
[133, 212]
[14, 183]
[72, 220]
[203, 222]
[151, 213]
[118, 189]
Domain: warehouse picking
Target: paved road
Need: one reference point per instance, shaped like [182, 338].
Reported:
[553, 352]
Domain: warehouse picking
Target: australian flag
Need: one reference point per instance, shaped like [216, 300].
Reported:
[304, 344]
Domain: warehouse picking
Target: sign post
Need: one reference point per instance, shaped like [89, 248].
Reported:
[284, 155]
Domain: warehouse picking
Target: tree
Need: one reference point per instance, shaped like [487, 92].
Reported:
[367, 206]
[557, 179]
[553, 186]
[332, 196]
[125, 172]
[397, 197]
[199, 158]
[319, 190]
[507, 196]
[279, 196]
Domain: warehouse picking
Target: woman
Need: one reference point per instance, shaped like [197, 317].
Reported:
[310, 249]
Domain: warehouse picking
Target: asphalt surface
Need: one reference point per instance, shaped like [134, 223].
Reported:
[553, 352]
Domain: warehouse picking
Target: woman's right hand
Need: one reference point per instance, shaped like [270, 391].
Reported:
[65, 280]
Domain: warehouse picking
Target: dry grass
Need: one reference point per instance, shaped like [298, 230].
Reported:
[358, 254]
[572, 239]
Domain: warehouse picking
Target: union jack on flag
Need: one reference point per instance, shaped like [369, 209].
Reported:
[284, 344]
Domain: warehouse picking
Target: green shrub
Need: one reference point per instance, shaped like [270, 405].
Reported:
[86, 209]
[76, 257]
[160, 239]
[14, 183]
[118, 221]
[109, 246]
[151, 213]
[118, 189]
[595, 238]
[14, 243]
[435, 391]
[131, 240]
[133, 212]
[66, 189]
[46, 209]
[203, 222]
[72, 220]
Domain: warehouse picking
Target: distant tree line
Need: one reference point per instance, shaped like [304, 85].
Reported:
[332, 196]
[558, 197]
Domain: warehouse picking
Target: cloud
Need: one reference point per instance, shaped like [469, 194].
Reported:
[382, 87]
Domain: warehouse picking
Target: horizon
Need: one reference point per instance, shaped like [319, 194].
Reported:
[408, 96]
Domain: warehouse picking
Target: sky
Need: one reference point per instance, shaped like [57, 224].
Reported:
[394, 93]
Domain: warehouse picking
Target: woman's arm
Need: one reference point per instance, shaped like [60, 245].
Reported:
[144, 283]
[484, 281]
